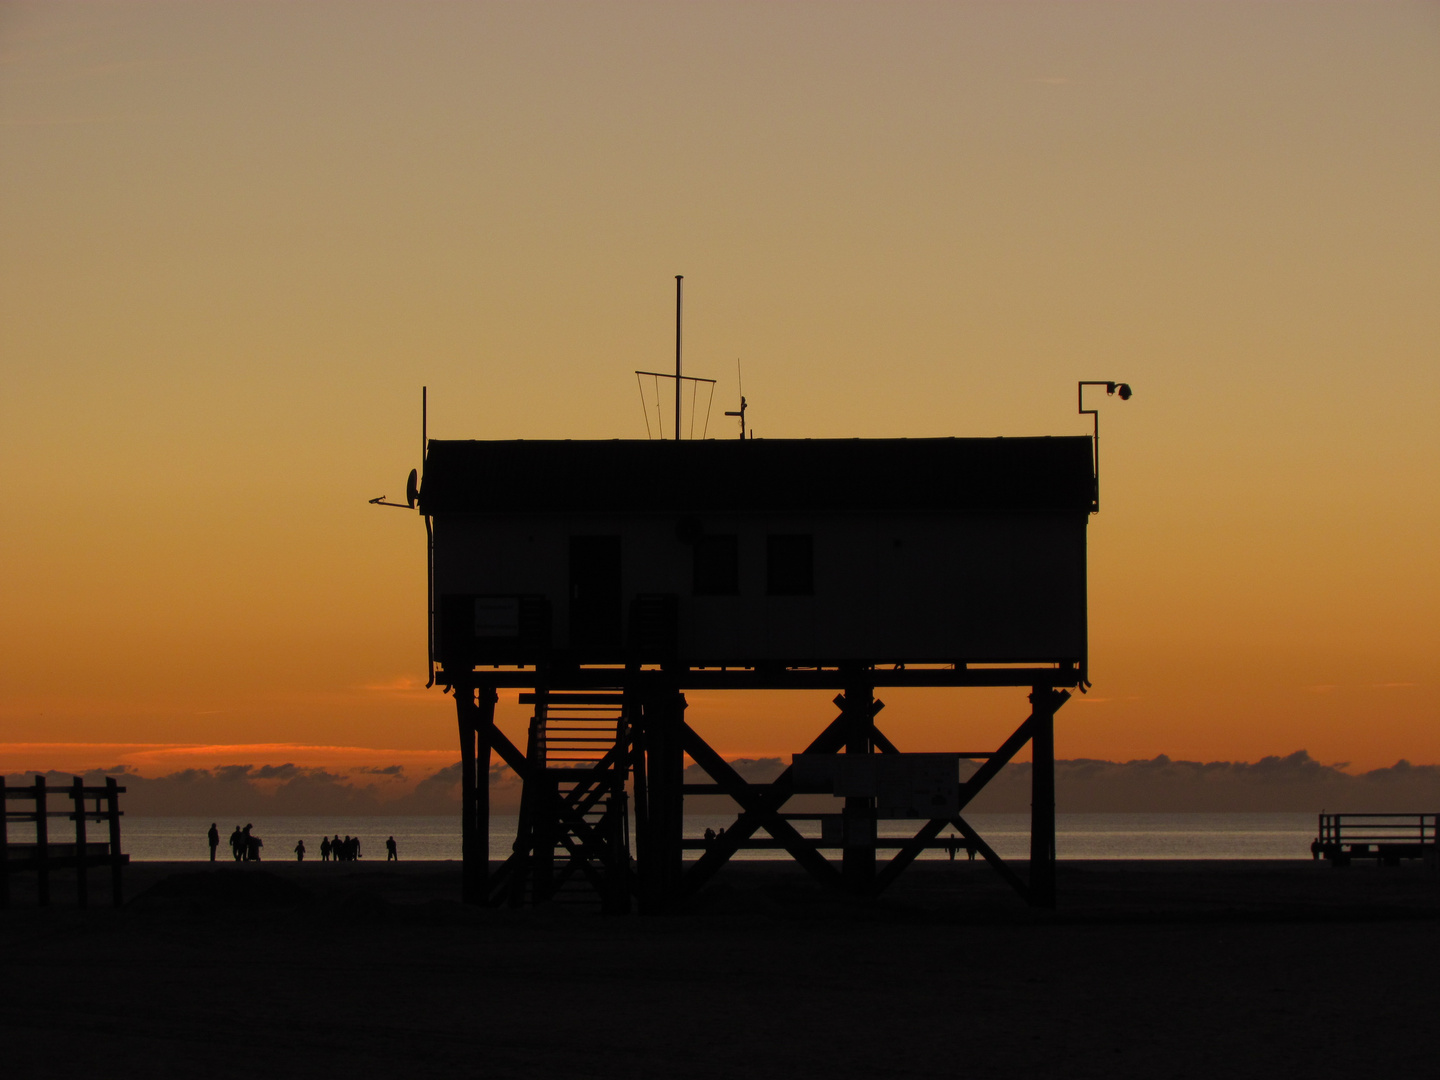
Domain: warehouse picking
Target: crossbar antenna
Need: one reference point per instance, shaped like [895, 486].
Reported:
[741, 412]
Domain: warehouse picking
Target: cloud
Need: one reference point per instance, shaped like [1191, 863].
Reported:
[385, 770]
[1293, 782]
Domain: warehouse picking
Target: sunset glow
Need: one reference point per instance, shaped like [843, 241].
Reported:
[237, 239]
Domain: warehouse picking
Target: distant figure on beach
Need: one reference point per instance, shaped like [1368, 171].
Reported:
[325, 849]
[390, 852]
[709, 837]
[300, 851]
[253, 844]
[237, 844]
[952, 845]
[245, 842]
[214, 837]
[337, 850]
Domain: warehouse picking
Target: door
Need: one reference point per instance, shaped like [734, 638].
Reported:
[595, 615]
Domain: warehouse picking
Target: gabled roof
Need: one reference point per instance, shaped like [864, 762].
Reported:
[758, 476]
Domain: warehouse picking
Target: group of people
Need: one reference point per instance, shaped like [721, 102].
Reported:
[347, 850]
[246, 846]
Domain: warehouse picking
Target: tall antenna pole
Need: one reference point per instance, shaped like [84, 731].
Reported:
[678, 279]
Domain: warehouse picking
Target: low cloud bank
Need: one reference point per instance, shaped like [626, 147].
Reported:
[287, 790]
[1296, 783]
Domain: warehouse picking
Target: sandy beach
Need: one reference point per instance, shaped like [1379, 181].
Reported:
[1147, 969]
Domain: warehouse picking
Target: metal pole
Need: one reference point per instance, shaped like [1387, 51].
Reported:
[678, 279]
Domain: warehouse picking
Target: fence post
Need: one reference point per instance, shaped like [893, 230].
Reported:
[82, 881]
[112, 795]
[4, 845]
[42, 844]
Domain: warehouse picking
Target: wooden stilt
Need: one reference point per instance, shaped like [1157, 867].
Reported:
[472, 872]
[479, 857]
[661, 838]
[858, 860]
[1042, 796]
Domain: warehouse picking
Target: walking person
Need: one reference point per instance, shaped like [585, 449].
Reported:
[300, 851]
[214, 837]
[336, 849]
[390, 851]
[237, 844]
[325, 849]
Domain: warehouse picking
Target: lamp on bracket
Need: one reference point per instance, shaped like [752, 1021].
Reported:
[1112, 389]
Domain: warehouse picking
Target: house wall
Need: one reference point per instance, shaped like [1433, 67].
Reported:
[887, 588]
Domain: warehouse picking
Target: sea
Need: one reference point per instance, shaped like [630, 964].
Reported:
[1078, 836]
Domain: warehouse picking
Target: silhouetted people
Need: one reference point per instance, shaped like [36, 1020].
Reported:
[390, 851]
[237, 844]
[253, 844]
[214, 837]
[952, 845]
[245, 842]
[300, 851]
[709, 837]
[325, 849]
[337, 849]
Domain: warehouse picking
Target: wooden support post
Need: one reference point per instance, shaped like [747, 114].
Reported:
[472, 877]
[662, 860]
[485, 699]
[42, 844]
[533, 804]
[858, 860]
[475, 714]
[117, 860]
[4, 845]
[82, 881]
[634, 707]
[1042, 796]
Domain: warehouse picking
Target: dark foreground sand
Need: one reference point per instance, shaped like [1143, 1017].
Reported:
[1147, 970]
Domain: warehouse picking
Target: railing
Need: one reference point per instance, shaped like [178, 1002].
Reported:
[1387, 838]
[43, 855]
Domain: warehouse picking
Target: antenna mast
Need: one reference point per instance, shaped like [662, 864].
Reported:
[678, 279]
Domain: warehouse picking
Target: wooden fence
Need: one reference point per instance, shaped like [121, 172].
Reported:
[42, 855]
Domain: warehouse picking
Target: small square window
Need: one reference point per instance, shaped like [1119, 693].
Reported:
[790, 565]
[717, 565]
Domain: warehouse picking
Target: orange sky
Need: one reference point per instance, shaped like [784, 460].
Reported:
[235, 240]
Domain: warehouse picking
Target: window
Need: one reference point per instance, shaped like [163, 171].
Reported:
[790, 565]
[717, 565]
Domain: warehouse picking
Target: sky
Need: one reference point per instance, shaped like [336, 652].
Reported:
[237, 239]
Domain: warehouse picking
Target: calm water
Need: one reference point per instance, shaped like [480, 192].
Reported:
[1079, 836]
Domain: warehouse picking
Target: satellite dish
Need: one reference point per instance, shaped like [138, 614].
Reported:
[412, 488]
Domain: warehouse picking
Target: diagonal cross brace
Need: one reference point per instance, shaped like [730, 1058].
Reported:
[754, 803]
[767, 798]
[968, 790]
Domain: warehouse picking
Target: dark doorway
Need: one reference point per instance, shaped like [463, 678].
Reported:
[595, 596]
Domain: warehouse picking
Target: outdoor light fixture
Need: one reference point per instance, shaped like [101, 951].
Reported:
[1112, 389]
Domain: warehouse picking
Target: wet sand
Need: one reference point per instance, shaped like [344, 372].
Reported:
[1145, 970]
